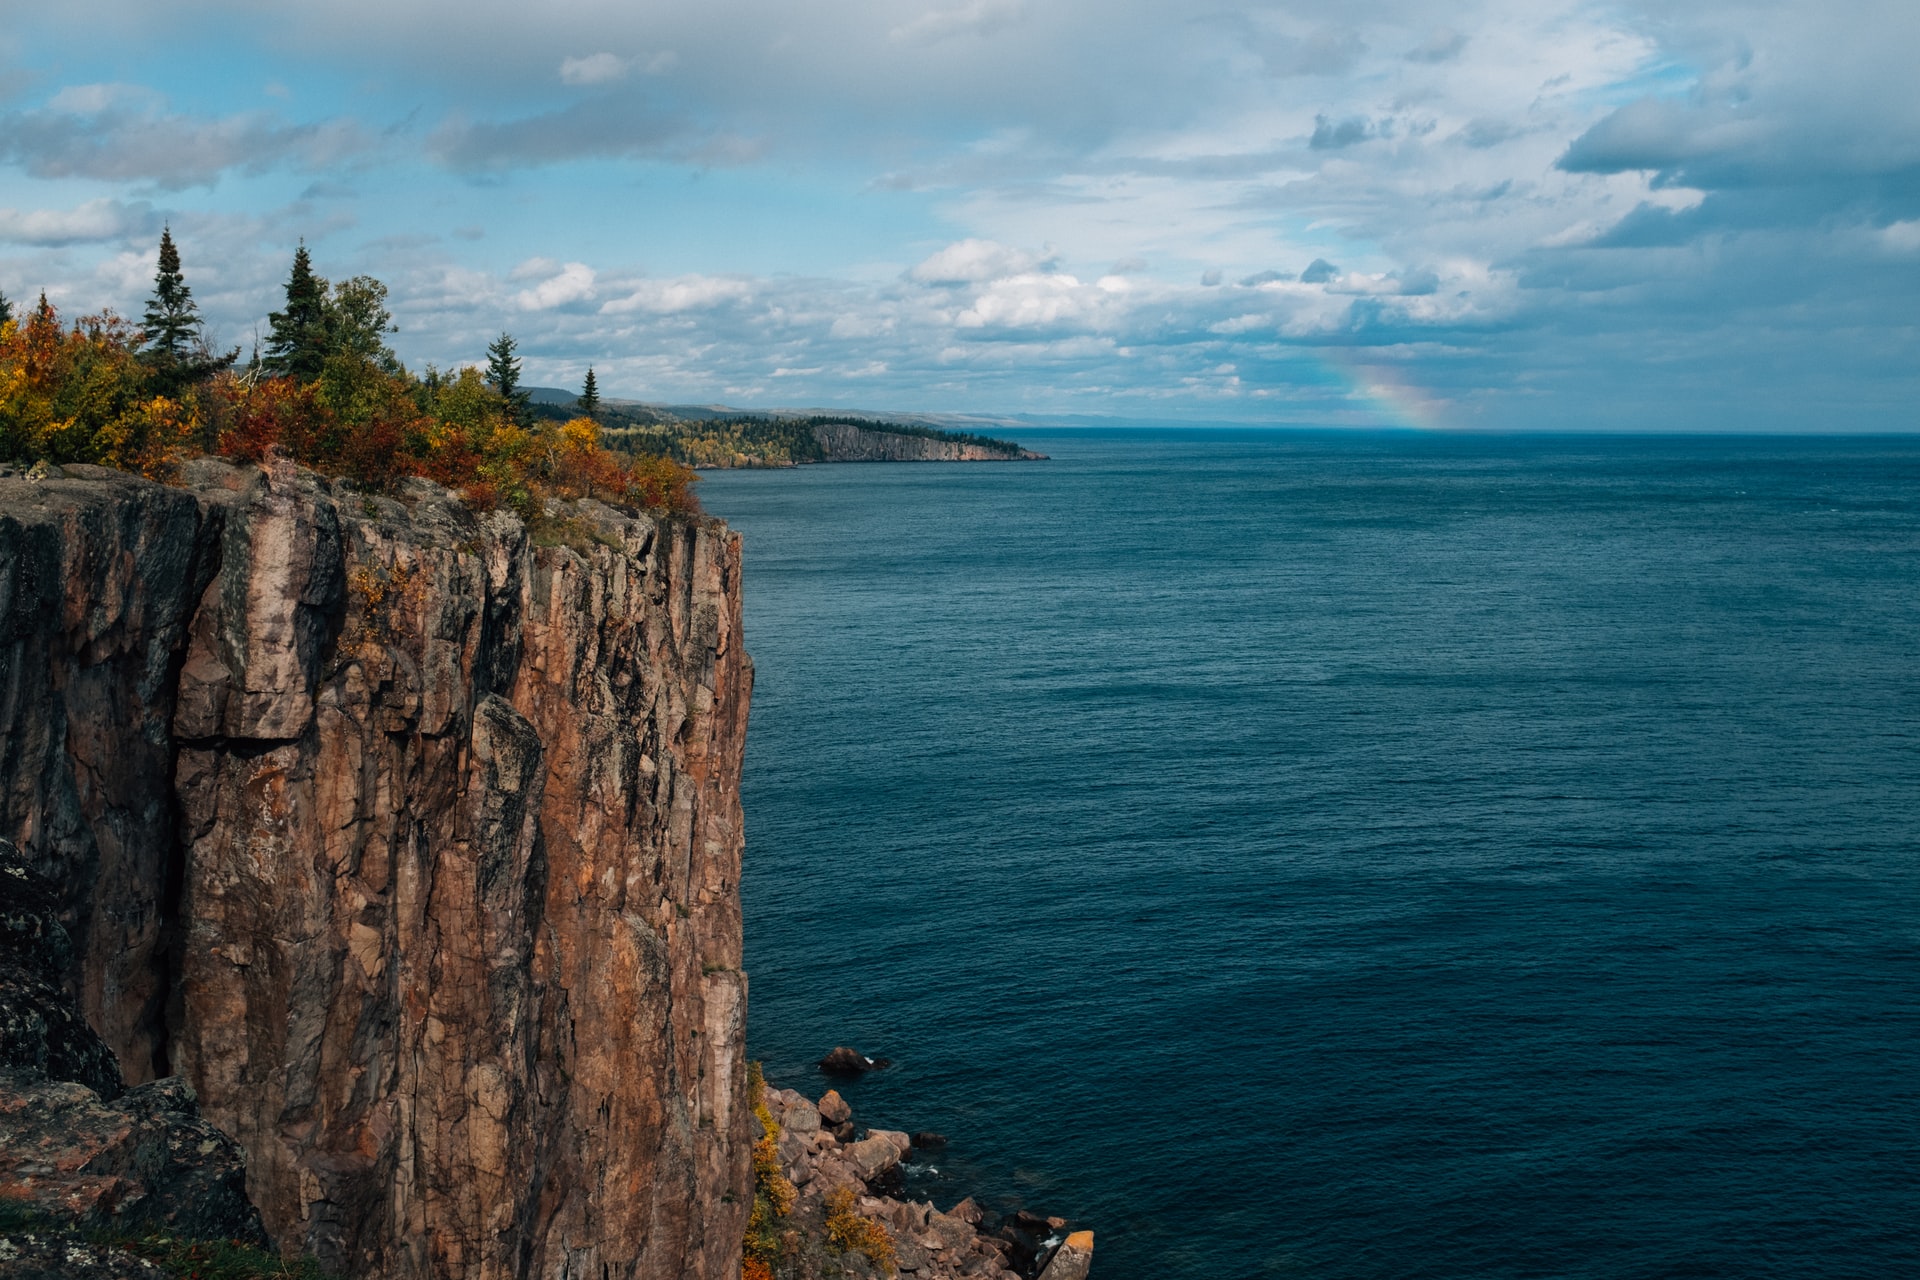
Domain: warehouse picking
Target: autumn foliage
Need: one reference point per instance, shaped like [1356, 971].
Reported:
[81, 395]
[84, 393]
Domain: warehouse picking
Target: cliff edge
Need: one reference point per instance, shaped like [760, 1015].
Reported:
[411, 840]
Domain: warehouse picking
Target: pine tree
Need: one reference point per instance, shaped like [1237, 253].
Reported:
[6, 309]
[503, 371]
[172, 326]
[590, 396]
[297, 337]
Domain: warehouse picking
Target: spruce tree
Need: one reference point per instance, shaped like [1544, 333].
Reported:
[297, 337]
[172, 327]
[6, 309]
[590, 396]
[503, 371]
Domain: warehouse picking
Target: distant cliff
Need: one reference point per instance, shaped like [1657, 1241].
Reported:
[849, 442]
[411, 840]
[747, 440]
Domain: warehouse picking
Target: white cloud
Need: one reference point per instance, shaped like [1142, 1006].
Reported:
[972, 261]
[976, 18]
[686, 293]
[1037, 300]
[595, 68]
[101, 219]
[1902, 237]
[572, 283]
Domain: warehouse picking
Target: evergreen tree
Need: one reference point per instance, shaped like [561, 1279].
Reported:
[590, 396]
[503, 371]
[6, 309]
[172, 326]
[297, 337]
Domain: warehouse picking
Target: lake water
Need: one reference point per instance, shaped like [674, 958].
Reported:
[1302, 854]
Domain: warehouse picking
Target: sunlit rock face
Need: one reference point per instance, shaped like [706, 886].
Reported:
[411, 841]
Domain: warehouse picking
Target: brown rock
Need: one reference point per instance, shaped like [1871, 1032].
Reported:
[873, 1156]
[951, 1232]
[834, 1109]
[794, 1150]
[901, 1143]
[449, 915]
[968, 1211]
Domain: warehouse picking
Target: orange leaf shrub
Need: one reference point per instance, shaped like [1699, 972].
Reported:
[82, 395]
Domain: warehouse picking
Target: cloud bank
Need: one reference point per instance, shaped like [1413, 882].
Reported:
[1539, 214]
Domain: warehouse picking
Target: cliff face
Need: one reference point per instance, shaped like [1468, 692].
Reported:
[413, 845]
[844, 443]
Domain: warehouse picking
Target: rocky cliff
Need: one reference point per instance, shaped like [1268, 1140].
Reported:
[843, 442]
[411, 841]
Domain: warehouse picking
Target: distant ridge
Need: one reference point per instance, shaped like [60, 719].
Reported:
[961, 422]
[723, 436]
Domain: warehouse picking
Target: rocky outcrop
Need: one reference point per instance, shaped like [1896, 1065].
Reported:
[411, 840]
[843, 442]
[926, 1243]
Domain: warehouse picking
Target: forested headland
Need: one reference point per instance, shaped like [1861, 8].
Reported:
[324, 390]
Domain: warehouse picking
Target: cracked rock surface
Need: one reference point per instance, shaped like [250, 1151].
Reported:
[410, 841]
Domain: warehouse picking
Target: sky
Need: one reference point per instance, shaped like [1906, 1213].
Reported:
[1469, 214]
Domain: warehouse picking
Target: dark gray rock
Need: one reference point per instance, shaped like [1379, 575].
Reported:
[846, 1062]
[42, 1035]
[74, 1145]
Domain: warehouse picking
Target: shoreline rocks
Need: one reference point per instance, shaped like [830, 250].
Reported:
[966, 1240]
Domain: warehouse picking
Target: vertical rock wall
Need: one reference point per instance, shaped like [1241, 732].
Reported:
[413, 845]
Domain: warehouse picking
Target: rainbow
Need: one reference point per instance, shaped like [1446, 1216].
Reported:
[1382, 392]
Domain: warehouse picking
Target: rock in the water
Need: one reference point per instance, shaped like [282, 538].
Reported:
[928, 1140]
[834, 1109]
[1072, 1260]
[900, 1141]
[873, 1156]
[846, 1062]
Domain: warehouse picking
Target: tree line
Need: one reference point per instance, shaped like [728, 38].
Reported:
[324, 389]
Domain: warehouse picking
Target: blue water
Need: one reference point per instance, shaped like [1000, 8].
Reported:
[1319, 855]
